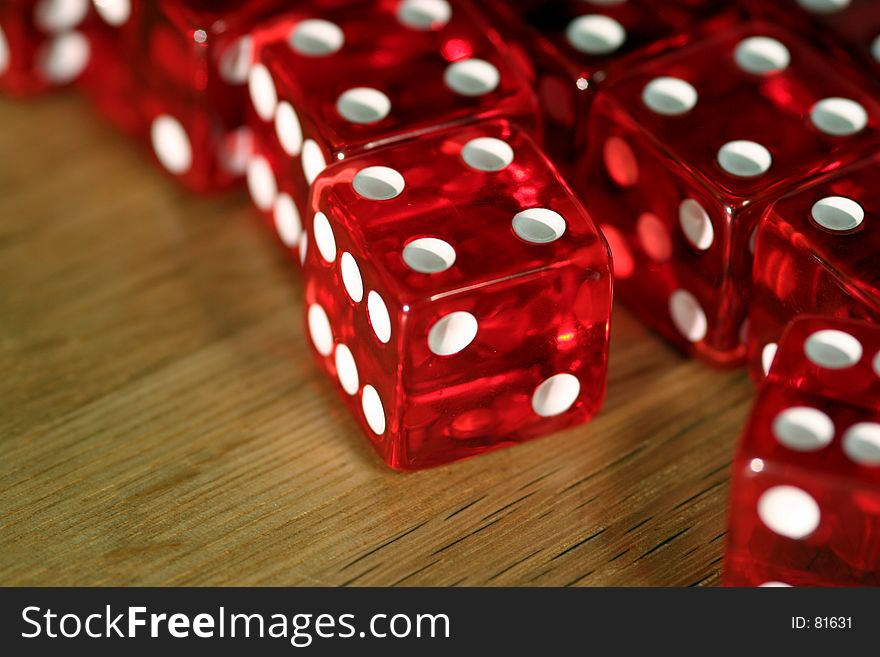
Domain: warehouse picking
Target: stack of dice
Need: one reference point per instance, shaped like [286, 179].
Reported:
[459, 182]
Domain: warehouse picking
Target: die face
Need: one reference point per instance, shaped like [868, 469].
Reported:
[817, 253]
[43, 44]
[491, 280]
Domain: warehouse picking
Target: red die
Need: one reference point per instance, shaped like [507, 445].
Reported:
[571, 47]
[688, 150]
[174, 74]
[818, 253]
[805, 506]
[42, 44]
[459, 293]
[332, 82]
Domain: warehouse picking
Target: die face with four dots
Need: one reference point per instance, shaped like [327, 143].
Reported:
[571, 47]
[43, 44]
[174, 74]
[458, 292]
[682, 172]
[847, 30]
[805, 502]
[334, 81]
[817, 250]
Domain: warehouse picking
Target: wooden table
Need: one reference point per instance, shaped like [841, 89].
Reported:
[162, 422]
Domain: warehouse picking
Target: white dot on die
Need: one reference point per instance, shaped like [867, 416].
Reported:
[669, 96]
[378, 183]
[346, 369]
[64, 57]
[319, 329]
[261, 183]
[594, 34]
[171, 144]
[235, 62]
[303, 248]
[556, 394]
[424, 14]
[839, 117]
[877, 364]
[861, 443]
[789, 511]
[824, 6]
[287, 220]
[837, 213]
[380, 320]
[264, 97]
[60, 15]
[323, 236]
[744, 159]
[803, 429]
[775, 585]
[316, 38]
[875, 48]
[114, 12]
[288, 129]
[471, 77]
[313, 162]
[429, 255]
[487, 154]
[235, 150]
[452, 333]
[351, 277]
[363, 105]
[696, 224]
[761, 55]
[4, 52]
[688, 316]
[538, 225]
[374, 412]
[833, 349]
[768, 353]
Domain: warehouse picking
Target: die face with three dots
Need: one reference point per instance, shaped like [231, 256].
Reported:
[174, 74]
[459, 294]
[329, 83]
[805, 503]
[847, 30]
[43, 44]
[686, 153]
[572, 47]
[817, 250]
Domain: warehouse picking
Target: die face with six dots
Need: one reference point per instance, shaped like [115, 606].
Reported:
[818, 253]
[329, 84]
[681, 173]
[459, 293]
[805, 506]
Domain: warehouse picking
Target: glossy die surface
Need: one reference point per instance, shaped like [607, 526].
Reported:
[174, 74]
[458, 293]
[847, 30]
[42, 44]
[330, 82]
[805, 505]
[571, 47]
[680, 171]
[816, 252]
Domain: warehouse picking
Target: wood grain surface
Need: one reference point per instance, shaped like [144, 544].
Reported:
[162, 422]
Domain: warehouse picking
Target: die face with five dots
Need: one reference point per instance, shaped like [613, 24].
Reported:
[332, 81]
[818, 253]
[680, 171]
[458, 292]
[805, 504]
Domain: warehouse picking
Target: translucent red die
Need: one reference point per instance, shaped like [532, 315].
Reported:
[458, 293]
[805, 504]
[42, 44]
[686, 153]
[333, 81]
[174, 74]
[816, 252]
[570, 48]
